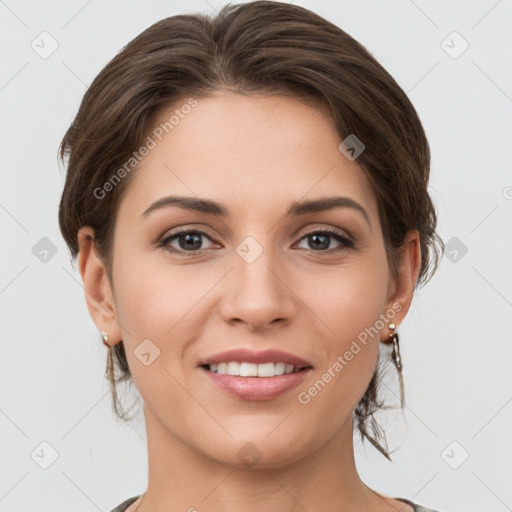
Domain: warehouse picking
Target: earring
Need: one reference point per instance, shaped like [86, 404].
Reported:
[105, 338]
[395, 354]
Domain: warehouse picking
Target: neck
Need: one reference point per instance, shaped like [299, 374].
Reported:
[325, 479]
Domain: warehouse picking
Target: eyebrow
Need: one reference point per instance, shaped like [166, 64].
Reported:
[295, 209]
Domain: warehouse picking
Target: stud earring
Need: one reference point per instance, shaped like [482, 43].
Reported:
[105, 338]
[395, 354]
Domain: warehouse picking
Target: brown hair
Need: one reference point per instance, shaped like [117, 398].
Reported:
[261, 47]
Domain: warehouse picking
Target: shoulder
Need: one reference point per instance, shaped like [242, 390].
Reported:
[123, 506]
[416, 506]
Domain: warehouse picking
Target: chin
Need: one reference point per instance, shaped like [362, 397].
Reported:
[258, 452]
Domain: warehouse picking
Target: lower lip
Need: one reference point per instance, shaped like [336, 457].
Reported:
[257, 388]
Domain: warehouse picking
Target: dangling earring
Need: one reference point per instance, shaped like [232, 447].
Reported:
[395, 355]
[397, 360]
[105, 338]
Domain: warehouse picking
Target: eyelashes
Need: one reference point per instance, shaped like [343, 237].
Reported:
[345, 242]
[193, 237]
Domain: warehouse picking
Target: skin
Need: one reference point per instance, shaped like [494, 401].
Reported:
[256, 155]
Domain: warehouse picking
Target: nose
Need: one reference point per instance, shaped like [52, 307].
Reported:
[258, 295]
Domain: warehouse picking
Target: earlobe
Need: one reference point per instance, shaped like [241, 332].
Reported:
[402, 287]
[98, 291]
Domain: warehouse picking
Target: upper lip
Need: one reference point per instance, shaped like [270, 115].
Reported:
[257, 357]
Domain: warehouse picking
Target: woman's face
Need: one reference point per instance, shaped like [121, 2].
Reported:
[256, 279]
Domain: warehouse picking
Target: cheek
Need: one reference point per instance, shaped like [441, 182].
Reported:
[350, 306]
[150, 308]
[151, 297]
[157, 303]
[351, 299]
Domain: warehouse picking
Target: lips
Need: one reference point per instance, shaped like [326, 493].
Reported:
[261, 387]
[256, 357]
[256, 388]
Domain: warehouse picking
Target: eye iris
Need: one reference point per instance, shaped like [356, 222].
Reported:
[324, 245]
[189, 237]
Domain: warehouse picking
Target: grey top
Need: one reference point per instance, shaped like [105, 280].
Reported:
[417, 508]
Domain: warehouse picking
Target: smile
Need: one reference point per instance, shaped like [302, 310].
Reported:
[245, 369]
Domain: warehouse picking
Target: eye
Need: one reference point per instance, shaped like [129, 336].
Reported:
[188, 241]
[322, 240]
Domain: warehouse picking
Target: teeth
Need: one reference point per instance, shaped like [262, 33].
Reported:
[252, 369]
[245, 369]
[288, 368]
[279, 368]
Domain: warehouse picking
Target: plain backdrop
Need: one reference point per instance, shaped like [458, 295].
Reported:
[453, 443]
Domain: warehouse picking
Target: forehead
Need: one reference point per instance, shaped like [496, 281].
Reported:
[260, 152]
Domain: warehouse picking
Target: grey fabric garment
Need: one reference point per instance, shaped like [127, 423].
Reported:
[123, 506]
[417, 508]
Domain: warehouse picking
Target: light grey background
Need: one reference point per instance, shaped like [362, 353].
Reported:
[456, 340]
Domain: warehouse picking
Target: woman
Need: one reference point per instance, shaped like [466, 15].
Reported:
[247, 200]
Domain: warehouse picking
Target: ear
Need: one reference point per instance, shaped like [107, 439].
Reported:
[401, 287]
[98, 291]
